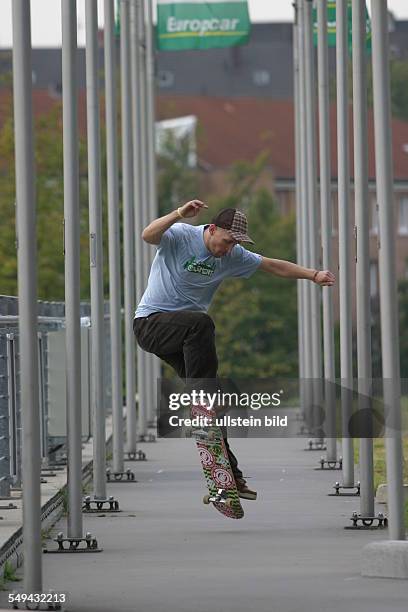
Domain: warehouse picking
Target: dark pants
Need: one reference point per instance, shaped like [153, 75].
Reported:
[186, 341]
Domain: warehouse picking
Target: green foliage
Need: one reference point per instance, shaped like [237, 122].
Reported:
[9, 573]
[48, 150]
[177, 181]
[256, 319]
[403, 326]
[399, 88]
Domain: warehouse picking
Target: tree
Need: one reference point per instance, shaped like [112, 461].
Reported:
[177, 180]
[48, 151]
[257, 318]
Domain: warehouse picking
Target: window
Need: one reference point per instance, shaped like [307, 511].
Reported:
[373, 278]
[165, 78]
[403, 216]
[261, 78]
[374, 216]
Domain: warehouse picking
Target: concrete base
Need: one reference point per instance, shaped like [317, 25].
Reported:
[388, 559]
[382, 493]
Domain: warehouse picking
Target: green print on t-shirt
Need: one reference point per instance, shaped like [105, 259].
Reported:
[199, 267]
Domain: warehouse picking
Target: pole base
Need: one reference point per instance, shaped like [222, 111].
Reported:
[328, 464]
[135, 456]
[87, 544]
[147, 437]
[316, 445]
[355, 490]
[368, 522]
[127, 476]
[110, 504]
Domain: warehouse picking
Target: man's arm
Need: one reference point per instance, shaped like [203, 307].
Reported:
[153, 232]
[287, 269]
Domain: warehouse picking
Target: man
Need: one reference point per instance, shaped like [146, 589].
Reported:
[191, 262]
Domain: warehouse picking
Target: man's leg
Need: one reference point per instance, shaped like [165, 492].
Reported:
[187, 333]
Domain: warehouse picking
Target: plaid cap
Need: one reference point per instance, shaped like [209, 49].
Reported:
[235, 222]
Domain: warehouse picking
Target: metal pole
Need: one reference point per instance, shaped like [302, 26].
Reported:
[128, 222]
[346, 353]
[144, 406]
[363, 318]
[114, 238]
[153, 200]
[307, 327]
[95, 247]
[312, 218]
[327, 225]
[388, 283]
[72, 266]
[300, 284]
[138, 152]
[27, 291]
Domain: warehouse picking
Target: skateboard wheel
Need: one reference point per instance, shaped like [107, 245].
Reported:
[211, 436]
[206, 500]
[228, 502]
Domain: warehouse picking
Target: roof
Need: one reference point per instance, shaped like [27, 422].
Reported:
[232, 129]
[240, 128]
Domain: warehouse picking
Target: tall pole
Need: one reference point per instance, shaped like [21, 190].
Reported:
[145, 360]
[138, 198]
[114, 237]
[327, 224]
[95, 247]
[305, 238]
[388, 283]
[72, 266]
[363, 318]
[152, 171]
[343, 177]
[27, 291]
[312, 218]
[139, 153]
[300, 283]
[128, 222]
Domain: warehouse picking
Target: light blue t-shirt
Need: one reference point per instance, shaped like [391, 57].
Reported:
[185, 275]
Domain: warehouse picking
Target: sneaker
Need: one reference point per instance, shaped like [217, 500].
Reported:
[243, 490]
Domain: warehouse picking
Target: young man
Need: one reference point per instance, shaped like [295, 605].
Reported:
[191, 262]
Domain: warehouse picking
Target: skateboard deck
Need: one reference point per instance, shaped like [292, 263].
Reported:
[223, 493]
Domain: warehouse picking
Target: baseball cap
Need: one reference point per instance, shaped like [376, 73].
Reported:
[235, 222]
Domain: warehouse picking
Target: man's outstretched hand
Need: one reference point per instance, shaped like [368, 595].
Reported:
[191, 209]
[325, 278]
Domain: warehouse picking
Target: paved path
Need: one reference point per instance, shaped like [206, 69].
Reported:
[167, 552]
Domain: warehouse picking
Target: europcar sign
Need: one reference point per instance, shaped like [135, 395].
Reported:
[192, 24]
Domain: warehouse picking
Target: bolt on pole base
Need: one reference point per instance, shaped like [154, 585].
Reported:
[355, 490]
[329, 464]
[88, 544]
[316, 445]
[368, 522]
[148, 437]
[135, 456]
[110, 504]
[126, 476]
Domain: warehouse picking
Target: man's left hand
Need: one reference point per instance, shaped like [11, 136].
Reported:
[325, 278]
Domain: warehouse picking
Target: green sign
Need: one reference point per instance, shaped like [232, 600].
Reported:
[192, 24]
[331, 25]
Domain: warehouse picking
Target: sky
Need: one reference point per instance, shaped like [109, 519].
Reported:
[46, 17]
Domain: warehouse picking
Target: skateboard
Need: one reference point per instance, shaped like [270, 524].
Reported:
[223, 493]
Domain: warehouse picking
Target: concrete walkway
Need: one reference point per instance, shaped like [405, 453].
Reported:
[167, 552]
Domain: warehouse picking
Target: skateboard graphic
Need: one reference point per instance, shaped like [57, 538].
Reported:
[218, 474]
